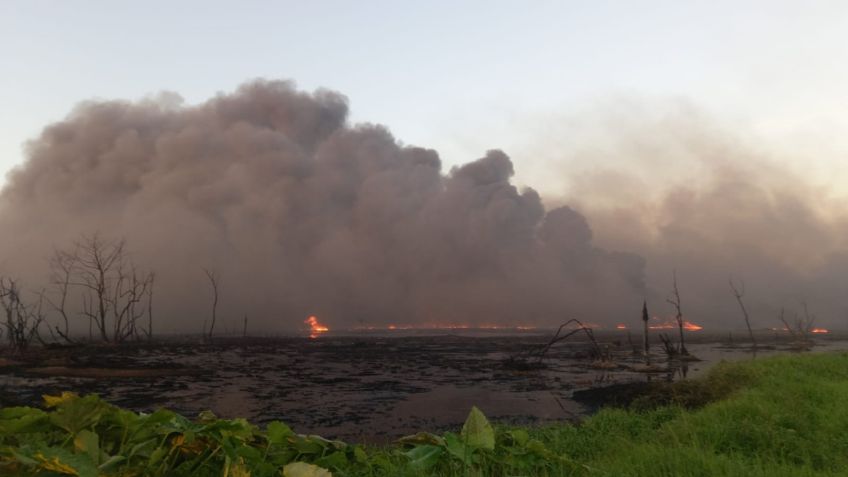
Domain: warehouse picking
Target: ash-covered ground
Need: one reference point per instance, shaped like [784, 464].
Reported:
[364, 388]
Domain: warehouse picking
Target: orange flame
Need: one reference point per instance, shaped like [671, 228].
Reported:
[315, 328]
[621, 326]
[454, 326]
[820, 330]
[671, 324]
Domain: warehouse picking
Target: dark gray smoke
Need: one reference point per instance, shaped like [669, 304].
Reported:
[299, 213]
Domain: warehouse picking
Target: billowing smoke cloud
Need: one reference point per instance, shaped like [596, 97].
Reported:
[301, 213]
[666, 181]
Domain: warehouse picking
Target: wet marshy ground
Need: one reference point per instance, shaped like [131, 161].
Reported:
[358, 387]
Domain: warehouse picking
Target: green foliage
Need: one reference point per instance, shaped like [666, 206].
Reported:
[85, 436]
[777, 417]
[302, 469]
[477, 433]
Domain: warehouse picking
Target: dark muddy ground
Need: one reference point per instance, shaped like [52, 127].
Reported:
[359, 388]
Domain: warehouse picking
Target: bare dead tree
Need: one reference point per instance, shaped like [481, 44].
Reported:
[112, 288]
[809, 320]
[100, 260]
[738, 293]
[63, 265]
[797, 330]
[540, 354]
[532, 358]
[674, 299]
[130, 288]
[668, 346]
[213, 282]
[786, 325]
[22, 320]
[9, 300]
[150, 308]
[801, 327]
[646, 346]
[244, 328]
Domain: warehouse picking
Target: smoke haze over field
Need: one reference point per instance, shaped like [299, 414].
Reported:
[300, 213]
[665, 180]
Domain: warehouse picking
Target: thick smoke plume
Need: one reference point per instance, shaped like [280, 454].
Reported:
[301, 213]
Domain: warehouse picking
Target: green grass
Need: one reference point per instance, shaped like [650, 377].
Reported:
[781, 416]
[784, 416]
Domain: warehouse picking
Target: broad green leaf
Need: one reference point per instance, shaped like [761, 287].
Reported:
[74, 415]
[309, 446]
[424, 456]
[538, 448]
[456, 447]
[519, 436]
[380, 461]
[360, 455]
[249, 453]
[422, 438]
[89, 443]
[19, 412]
[336, 460]
[302, 469]
[61, 461]
[282, 456]
[17, 420]
[278, 433]
[477, 432]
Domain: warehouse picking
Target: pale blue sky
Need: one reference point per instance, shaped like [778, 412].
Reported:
[455, 76]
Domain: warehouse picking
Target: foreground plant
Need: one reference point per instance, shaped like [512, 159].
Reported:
[478, 450]
[87, 437]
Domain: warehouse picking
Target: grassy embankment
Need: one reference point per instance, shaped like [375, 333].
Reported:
[783, 416]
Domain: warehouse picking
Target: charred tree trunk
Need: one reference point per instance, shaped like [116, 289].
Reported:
[675, 300]
[580, 327]
[646, 346]
[739, 293]
[22, 320]
[150, 309]
[63, 266]
[213, 282]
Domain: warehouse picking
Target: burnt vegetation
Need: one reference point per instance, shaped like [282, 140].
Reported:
[738, 293]
[534, 356]
[94, 281]
[23, 318]
[800, 328]
[674, 299]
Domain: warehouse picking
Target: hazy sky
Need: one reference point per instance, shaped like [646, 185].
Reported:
[460, 77]
[703, 137]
